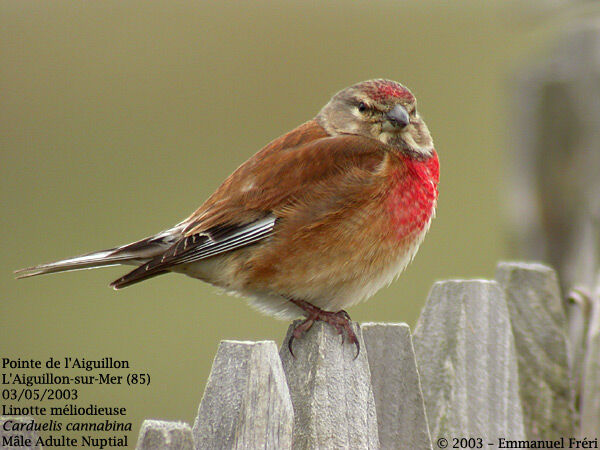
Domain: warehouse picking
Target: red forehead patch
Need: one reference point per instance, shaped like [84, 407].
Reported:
[381, 90]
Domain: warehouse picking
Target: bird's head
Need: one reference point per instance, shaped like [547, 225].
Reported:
[379, 109]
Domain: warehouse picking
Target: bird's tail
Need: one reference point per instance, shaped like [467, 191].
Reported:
[136, 253]
[87, 261]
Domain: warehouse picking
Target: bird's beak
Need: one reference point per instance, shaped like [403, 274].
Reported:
[398, 117]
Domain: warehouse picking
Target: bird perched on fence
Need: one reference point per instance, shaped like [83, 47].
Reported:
[318, 220]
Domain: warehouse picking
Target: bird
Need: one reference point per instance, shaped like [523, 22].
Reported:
[315, 222]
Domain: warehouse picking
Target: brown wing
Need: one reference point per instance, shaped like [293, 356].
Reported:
[247, 204]
[280, 174]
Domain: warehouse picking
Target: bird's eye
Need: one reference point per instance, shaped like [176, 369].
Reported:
[362, 107]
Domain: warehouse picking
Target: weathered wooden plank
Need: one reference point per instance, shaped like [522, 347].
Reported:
[163, 435]
[17, 439]
[467, 362]
[590, 411]
[246, 403]
[540, 329]
[401, 418]
[331, 391]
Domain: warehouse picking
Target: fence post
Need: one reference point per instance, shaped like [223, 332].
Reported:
[246, 403]
[163, 435]
[539, 325]
[467, 362]
[331, 391]
[401, 418]
[19, 439]
[590, 411]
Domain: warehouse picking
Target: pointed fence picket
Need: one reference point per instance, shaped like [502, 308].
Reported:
[488, 359]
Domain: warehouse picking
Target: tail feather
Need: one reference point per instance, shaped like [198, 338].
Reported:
[135, 276]
[92, 260]
[136, 253]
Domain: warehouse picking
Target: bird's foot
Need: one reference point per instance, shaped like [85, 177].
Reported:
[340, 320]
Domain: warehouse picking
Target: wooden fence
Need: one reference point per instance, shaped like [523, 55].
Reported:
[488, 360]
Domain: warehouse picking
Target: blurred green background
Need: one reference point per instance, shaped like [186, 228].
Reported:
[118, 118]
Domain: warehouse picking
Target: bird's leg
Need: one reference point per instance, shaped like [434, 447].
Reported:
[340, 320]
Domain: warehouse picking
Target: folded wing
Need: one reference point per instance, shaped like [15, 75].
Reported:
[198, 246]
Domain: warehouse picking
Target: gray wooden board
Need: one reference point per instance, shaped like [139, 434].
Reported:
[401, 417]
[246, 403]
[540, 329]
[590, 412]
[163, 435]
[467, 362]
[23, 439]
[331, 391]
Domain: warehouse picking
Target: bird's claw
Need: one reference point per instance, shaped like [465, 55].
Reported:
[340, 320]
[299, 331]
